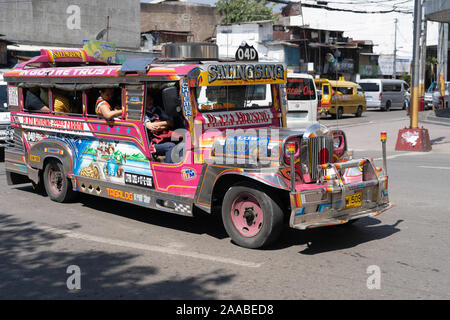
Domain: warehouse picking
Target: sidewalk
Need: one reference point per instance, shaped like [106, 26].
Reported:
[367, 136]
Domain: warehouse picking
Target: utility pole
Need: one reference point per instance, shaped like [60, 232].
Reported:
[441, 75]
[395, 49]
[423, 56]
[414, 138]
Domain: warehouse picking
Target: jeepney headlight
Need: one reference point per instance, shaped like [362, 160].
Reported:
[292, 146]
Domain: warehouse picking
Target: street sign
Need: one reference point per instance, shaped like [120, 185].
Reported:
[246, 53]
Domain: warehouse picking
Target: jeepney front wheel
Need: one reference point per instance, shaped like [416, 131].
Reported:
[57, 185]
[250, 216]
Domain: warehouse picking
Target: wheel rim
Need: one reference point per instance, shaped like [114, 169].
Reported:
[55, 179]
[247, 215]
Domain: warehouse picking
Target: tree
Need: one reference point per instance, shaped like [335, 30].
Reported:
[236, 11]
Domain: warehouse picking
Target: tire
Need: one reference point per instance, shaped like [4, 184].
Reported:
[39, 188]
[359, 112]
[250, 216]
[339, 113]
[57, 185]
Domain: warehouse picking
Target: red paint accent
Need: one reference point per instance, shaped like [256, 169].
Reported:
[323, 156]
[422, 143]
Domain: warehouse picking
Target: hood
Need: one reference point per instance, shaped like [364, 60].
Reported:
[256, 148]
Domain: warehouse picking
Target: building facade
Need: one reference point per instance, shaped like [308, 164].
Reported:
[68, 23]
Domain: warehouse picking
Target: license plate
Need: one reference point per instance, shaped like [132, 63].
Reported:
[353, 201]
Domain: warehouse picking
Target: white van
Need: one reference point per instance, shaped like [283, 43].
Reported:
[302, 100]
[385, 93]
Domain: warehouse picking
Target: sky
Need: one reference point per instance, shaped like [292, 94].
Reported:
[376, 27]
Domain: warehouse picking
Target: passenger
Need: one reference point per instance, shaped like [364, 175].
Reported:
[159, 123]
[60, 102]
[103, 107]
[33, 102]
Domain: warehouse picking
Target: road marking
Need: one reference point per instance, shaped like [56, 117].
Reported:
[429, 167]
[151, 248]
[401, 155]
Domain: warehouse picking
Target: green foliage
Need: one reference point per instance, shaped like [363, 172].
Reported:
[406, 77]
[432, 60]
[236, 11]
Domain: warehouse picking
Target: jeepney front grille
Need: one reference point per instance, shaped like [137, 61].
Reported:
[320, 151]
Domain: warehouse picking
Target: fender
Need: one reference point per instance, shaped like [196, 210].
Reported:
[211, 175]
[50, 148]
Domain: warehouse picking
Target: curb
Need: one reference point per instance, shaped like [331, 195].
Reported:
[437, 120]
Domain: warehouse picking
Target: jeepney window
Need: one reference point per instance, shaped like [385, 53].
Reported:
[93, 94]
[69, 102]
[344, 90]
[36, 99]
[326, 90]
[215, 98]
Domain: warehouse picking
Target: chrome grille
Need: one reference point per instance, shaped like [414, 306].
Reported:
[315, 147]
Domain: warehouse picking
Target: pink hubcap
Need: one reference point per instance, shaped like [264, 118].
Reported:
[247, 215]
[55, 179]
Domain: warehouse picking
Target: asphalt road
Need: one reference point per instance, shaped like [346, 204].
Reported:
[124, 251]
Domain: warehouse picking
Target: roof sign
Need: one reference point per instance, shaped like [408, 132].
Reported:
[65, 55]
[246, 53]
[242, 74]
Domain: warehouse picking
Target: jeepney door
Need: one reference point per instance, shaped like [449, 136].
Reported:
[180, 176]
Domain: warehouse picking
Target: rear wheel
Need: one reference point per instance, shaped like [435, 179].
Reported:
[57, 185]
[359, 112]
[340, 112]
[387, 107]
[250, 216]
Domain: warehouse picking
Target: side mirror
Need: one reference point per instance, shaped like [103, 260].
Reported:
[171, 101]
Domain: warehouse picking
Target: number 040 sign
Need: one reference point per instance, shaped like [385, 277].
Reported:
[246, 53]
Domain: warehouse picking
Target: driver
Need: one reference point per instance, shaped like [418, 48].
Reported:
[159, 124]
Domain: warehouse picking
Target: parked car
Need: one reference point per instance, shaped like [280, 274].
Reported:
[302, 100]
[385, 93]
[428, 98]
[340, 97]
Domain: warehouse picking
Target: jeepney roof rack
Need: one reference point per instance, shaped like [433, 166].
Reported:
[62, 58]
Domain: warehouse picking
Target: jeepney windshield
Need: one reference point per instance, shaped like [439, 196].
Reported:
[212, 98]
[3, 98]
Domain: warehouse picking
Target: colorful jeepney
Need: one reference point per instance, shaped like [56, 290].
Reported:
[235, 156]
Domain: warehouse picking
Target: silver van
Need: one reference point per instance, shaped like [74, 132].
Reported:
[385, 93]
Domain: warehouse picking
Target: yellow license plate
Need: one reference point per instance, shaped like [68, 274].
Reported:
[353, 201]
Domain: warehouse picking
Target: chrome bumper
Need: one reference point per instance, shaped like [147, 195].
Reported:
[327, 205]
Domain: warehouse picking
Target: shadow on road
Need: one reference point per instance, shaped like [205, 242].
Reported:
[337, 237]
[200, 224]
[34, 265]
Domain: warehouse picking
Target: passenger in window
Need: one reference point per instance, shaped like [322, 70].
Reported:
[33, 102]
[60, 102]
[159, 125]
[103, 107]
